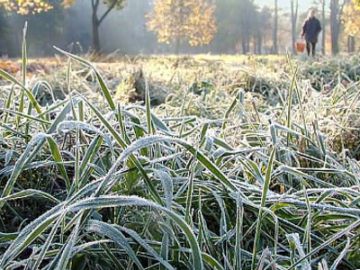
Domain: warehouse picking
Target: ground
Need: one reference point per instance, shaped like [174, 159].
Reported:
[214, 161]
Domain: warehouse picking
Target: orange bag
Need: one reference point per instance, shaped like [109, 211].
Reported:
[300, 46]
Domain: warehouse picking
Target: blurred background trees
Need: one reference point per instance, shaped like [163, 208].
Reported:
[25, 7]
[352, 24]
[176, 21]
[294, 6]
[167, 26]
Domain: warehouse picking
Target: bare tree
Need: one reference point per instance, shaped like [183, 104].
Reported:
[275, 30]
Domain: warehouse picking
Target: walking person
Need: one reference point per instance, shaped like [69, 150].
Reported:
[311, 30]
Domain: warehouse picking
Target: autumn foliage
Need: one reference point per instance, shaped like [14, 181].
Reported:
[25, 7]
[351, 18]
[192, 21]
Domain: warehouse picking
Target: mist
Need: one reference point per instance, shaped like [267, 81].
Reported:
[242, 27]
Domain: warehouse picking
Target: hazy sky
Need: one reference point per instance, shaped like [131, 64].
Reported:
[285, 4]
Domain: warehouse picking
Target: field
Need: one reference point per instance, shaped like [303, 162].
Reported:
[204, 162]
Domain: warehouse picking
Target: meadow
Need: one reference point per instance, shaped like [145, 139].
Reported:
[190, 162]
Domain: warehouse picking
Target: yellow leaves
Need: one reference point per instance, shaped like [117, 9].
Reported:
[119, 4]
[351, 18]
[357, 3]
[25, 7]
[67, 3]
[189, 20]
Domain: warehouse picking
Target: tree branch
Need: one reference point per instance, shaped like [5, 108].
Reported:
[111, 7]
[94, 4]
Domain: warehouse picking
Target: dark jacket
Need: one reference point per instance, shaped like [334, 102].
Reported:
[311, 29]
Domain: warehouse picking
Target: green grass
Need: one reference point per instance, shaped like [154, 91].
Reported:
[232, 178]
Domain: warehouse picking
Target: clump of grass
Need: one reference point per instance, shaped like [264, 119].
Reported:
[131, 187]
[328, 73]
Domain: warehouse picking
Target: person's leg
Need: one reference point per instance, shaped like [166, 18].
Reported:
[313, 48]
[308, 47]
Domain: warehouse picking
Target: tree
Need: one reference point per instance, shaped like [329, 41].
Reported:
[240, 26]
[98, 19]
[323, 19]
[275, 29]
[336, 9]
[322, 4]
[5, 42]
[191, 21]
[263, 18]
[250, 25]
[294, 18]
[25, 7]
[351, 18]
[266, 18]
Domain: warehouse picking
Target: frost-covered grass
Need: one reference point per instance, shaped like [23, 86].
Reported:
[253, 170]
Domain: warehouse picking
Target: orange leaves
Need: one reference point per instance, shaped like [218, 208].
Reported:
[9, 66]
[190, 20]
[43, 66]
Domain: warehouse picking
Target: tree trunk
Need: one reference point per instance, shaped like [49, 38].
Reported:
[96, 22]
[177, 46]
[275, 30]
[248, 43]
[335, 16]
[323, 15]
[294, 16]
[243, 45]
[351, 44]
[95, 27]
[254, 45]
[96, 37]
[258, 43]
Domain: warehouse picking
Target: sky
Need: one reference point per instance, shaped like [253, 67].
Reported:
[285, 4]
